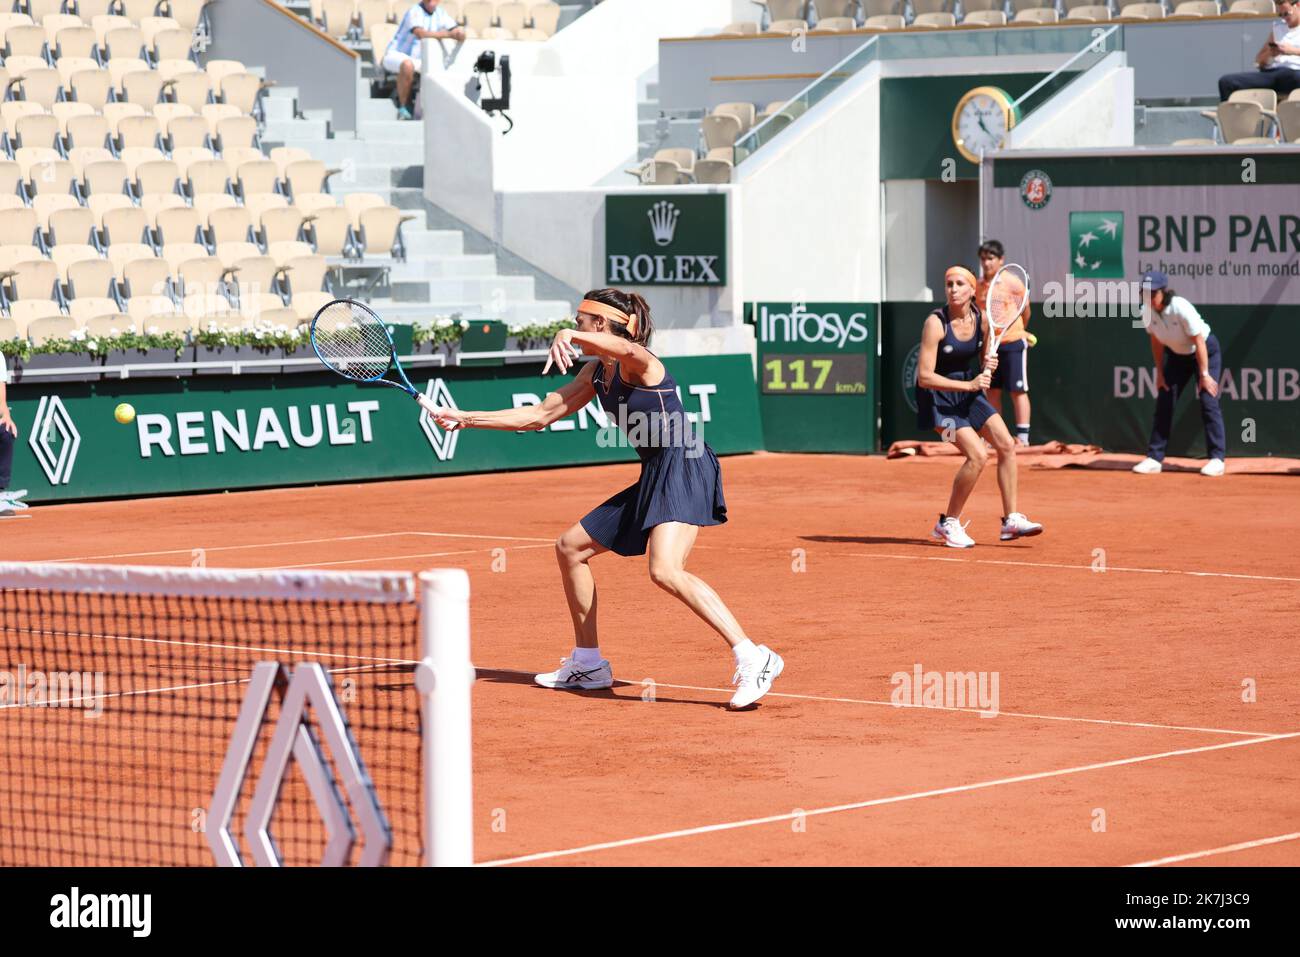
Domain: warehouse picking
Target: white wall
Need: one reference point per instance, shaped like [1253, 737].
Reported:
[1094, 111]
[809, 204]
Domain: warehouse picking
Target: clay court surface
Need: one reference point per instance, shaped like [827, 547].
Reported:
[1120, 692]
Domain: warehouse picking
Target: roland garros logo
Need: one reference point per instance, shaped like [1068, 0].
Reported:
[54, 440]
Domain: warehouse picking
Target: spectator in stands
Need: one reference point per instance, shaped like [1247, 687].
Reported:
[1278, 59]
[422, 21]
[1184, 351]
[8, 433]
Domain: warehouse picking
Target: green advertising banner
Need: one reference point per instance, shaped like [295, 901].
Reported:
[677, 239]
[817, 375]
[228, 432]
[1092, 380]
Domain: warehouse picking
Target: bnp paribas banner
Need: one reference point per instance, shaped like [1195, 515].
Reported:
[1225, 227]
[218, 432]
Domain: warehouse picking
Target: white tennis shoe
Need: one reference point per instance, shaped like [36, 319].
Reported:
[952, 533]
[754, 676]
[1148, 466]
[1213, 468]
[571, 676]
[1016, 525]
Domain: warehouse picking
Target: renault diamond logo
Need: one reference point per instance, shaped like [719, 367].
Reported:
[444, 443]
[663, 221]
[55, 440]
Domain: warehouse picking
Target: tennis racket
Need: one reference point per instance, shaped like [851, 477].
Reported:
[354, 342]
[1006, 299]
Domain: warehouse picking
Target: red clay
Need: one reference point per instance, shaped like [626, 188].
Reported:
[1136, 643]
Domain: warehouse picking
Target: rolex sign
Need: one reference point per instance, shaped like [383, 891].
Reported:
[657, 239]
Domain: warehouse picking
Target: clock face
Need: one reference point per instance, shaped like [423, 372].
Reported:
[981, 125]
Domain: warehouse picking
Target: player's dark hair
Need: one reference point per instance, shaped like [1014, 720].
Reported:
[1167, 296]
[994, 247]
[633, 305]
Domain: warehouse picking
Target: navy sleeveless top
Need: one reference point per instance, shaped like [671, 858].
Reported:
[955, 357]
[652, 417]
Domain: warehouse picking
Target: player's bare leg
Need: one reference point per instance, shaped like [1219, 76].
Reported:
[573, 550]
[670, 545]
[1014, 523]
[963, 482]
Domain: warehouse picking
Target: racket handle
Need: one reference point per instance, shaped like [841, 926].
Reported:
[425, 403]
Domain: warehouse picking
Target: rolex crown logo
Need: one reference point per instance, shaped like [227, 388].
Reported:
[663, 221]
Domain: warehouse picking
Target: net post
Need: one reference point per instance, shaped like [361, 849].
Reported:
[445, 679]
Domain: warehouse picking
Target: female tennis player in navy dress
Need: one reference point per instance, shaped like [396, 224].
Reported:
[678, 492]
[950, 400]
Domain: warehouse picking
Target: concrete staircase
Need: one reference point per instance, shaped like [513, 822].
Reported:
[449, 270]
[657, 130]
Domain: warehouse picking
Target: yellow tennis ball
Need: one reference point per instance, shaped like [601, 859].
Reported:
[125, 413]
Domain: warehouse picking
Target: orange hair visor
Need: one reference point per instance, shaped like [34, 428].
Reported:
[609, 312]
[964, 273]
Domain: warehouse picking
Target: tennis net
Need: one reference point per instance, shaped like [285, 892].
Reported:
[121, 691]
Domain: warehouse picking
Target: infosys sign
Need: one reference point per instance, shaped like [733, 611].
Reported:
[659, 239]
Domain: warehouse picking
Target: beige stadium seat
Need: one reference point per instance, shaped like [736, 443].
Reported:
[65, 255]
[885, 21]
[91, 277]
[39, 9]
[186, 156]
[44, 171]
[207, 176]
[280, 224]
[172, 69]
[127, 224]
[310, 202]
[145, 275]
[157, 176]
[103, 176]
[285, 252]
[87, 129]
[29, 40]
[199, 274]
[41, 86]
[304, 273]
[1036, 15]
[43, 321]
[111, 323]
[233, 224]
[882, 8]
[253, 274]
[33, 279]
[91, 86]
[1195, 141]
[371, 12]
[935, 21]
[123, 42]
[787, 26]
[545, 17]
[37, 129]
[105, 23]
[836, 24]
[260, 306]
[151, 26]
[478, 15]
[11, 111]
[186, 133]
[741, 111]
[236, 156]
[101, 204]
[164, 113]
[282, 156]
[337, 19]
[68, 109]
[1089, 13]
[306, 176]
[87, 308]
[10, 176]
[138, 132]
[231, 253]
[1288, 116]
[71, 224]
[1240, 119]
[47, 204]
[683, 157]
[69, 65]
[513, 16]
[259, 176]
[380, 231]
[186, 13]
[171, 44]
[1197, 8]
[148, 308]
[720, 129]
[137, 10]
[241, 90]
[180, 224]
[135, 82]
[235, 132]
[307, 304]
[114, 113]
[74, 41]
[54, 22]
[739, 28]
[89, 9]
[1142, 11]
[18, 227]
[986, 18]
[178, 252]
[1068, 5]
[123, 254]
[214, 113]
[1264, 7]
[205, 204]
[330, 231]
[192, 89]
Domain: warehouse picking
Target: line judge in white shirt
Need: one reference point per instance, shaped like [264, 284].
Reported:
[1278, 60]
[424, 20]
[1185, 350]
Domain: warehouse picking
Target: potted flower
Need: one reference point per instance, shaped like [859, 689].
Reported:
[78, 351]
[149, 346]
[440, 335]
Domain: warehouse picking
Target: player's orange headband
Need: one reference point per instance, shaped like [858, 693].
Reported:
[609, 312]
[963, 272]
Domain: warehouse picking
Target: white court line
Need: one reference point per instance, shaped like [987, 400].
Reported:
[878, 802]
[305, 541]
[396, 558]
[1109, 568]
[1226, 849]
[917, 707]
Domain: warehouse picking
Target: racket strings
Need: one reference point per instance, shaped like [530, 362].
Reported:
[352, 341]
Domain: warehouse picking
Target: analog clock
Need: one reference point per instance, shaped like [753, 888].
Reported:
[982, 120]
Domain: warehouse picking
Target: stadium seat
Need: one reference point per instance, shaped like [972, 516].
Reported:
[43, 171]
[311, 202]
[171, 44]
[1142, 11]
[381, 34]
[935, 21]
[180, 224]
[1196, 8]
[171, 70]
[86, 129]
[545, 17]
[135, 82]
[144, 275]
[242, 90]
[741, 111]
[146, 309]
[38, 84]
[18, 226]
[128, 224]
[1036, 15]
[512, 16]
[307, 304]
[187, 132]
[1240, 118]
[282, 156]
[259, 176]
[739, 28]
[32, 279]
[139, 131]
[64, 216]
[712, 171]
[206, 176]
[36, 129]
[234, 132]
[1195, 141]
[337, 18]
[279, 224]
[43, 321]
[1288, 116]
[87, 312]
[1252, 6]
[199, 274]
[285, 252]
[192, 89]
[478, 15]
[379, 232]
[330, 231]
[720, 129]
[303, 274]
[836, 24]
[26, 40]
[885, 21]
[370, 13]
[306, 176]
[232, 224]
[1088, 13]
[74, 41]
[986, 18]
[684, 158]
[91, 278]
[186, 13]
[787, 26]
[125, 42]
[104, 175]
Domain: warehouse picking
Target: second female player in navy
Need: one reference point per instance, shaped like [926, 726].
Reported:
[678, 492]
[950, 400]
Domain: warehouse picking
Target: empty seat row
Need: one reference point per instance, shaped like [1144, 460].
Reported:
[1255, 118]
[356, 18]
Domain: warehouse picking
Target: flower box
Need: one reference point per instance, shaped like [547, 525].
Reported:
[303, 351]
[161, 362]
[48, 361]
